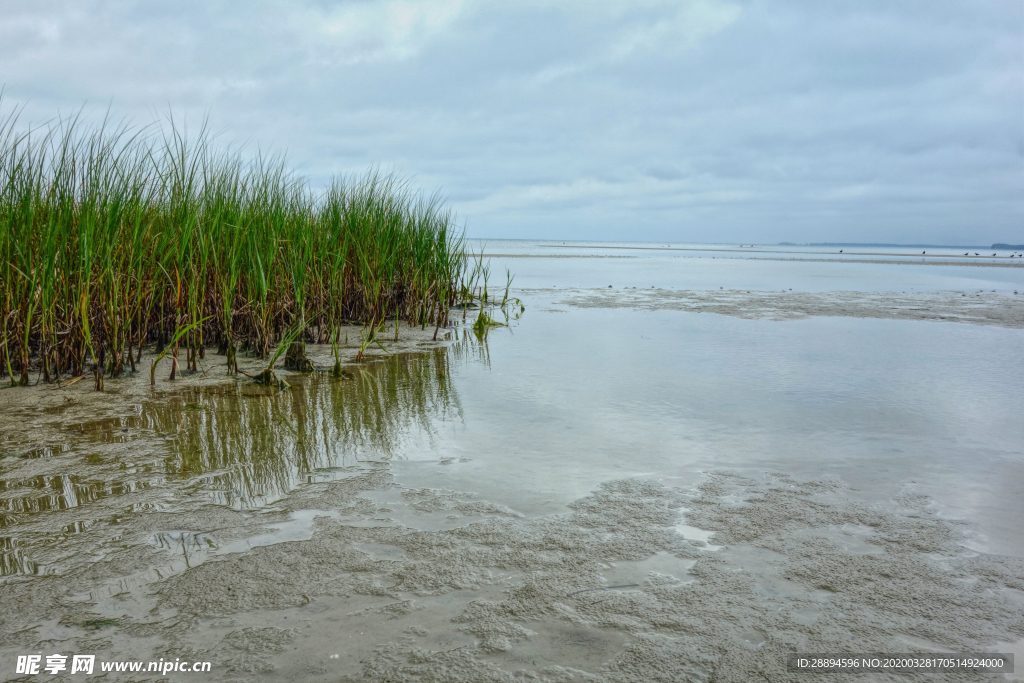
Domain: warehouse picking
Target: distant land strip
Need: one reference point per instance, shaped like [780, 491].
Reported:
[999, 245]
[751, 250]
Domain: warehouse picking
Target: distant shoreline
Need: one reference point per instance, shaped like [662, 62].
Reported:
[972, 260]
[997, 246]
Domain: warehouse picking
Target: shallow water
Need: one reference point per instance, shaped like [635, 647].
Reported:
[545, 264]
[617, 393]
[514, 430]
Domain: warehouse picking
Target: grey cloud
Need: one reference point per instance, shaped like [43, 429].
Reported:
[708, 119]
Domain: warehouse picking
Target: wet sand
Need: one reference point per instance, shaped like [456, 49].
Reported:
[978, 308]
[714, 583]
[266, 532]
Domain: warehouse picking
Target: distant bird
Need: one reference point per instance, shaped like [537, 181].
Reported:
[993, 254]
[977, 254]
[840, 251]
[922, 252]
[965, 253]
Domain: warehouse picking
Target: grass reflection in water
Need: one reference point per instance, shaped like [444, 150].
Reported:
[249, 446]
[240, 445]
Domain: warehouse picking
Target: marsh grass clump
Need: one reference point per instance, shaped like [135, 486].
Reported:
[473, 293]
[113, 238]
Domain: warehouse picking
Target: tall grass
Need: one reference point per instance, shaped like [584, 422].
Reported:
[113, 238]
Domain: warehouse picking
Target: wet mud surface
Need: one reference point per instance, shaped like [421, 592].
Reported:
[637, 582]
[978, 308]
[267, 532]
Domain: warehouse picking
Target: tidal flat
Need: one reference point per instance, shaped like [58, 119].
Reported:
[670, 483]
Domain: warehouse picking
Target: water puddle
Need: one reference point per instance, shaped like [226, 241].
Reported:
[196, 546]
[381, 551]
[701, 536]
[854, 539]
[752, 639]
[561, 644]
[298, 527]
[633, 575]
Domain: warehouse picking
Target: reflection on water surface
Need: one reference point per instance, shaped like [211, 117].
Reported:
[249, 446]
[238, 445]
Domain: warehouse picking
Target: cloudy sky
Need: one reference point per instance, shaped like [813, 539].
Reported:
[692, 120]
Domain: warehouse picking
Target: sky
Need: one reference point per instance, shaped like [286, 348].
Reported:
[688, 121]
